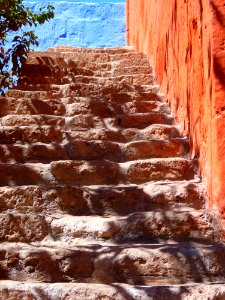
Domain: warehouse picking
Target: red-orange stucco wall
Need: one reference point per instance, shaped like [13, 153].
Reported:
[185, 42]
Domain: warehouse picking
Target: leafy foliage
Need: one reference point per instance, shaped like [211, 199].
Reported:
[16, 21]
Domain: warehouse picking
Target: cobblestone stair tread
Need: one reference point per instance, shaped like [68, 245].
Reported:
[103, 200]
[132, 264]
[92, 150]
[99, 198]
[79, 291]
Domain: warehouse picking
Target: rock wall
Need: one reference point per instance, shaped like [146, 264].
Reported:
[185, 41]
[83, 23]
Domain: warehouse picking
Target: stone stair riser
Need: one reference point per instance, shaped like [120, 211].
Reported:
[49, 134]
[18, 290]
[151, 226]
[96, 172]
[90, 106]
[139, 121]
[79, 150]
[133, 265]
[102, 200]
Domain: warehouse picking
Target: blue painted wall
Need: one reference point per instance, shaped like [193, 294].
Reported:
[83, 23]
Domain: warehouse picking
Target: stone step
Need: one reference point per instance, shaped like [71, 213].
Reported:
[39, 80]
[120, 68]
[103, 108]
[138, 120]
[81, 105]
[155, 131]
[126, 152]
[153, 227]
[129, 55]
[148, 226]
[115, 97]
[117, 70]
[103, 200]
[96, 172]
[112, 92]
[43, 68]
[30, 120]
[127, 62]
[30, 134]
[106, 172]
[49, 134]
[64, 68]
[97, 56]
[69, 96]
[131, 79]
[11, 106]
[119, 91]
[62, 58]
[47, 94]
[103, 79]
[92, 88]
[131, 264]
[88, 61]
[81, 150]
[54, 291]
[113, 50]
[57, 66]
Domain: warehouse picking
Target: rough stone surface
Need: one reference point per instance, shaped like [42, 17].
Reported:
[33, 291]
[99, 198]
[185, 42]
[133, 264]
[102, 200]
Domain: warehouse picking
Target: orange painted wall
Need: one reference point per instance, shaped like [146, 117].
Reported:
[185, 42]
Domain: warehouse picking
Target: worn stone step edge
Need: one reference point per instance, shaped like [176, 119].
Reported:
[97, 172]
[11, 106]
[156, 131]
[153, 226]
[75, 64]
[115, 87]
[110, 93]
[99, 56]
[47, 134]
[135, 79]
[103, 200]
[120, 49]
[137, 120]
[11, 290]
[92, 150]
[183, 225]
[91, 70]
[101, 78]
[135, 264]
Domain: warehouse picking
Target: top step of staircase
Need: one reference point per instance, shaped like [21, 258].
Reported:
[116, 50]
[96, 55]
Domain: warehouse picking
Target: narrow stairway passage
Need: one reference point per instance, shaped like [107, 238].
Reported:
[99, 198]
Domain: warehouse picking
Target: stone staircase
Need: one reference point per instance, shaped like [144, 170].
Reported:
[99, 198]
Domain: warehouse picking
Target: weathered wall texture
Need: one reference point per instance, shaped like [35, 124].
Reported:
[185, 41]
[82, 23]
